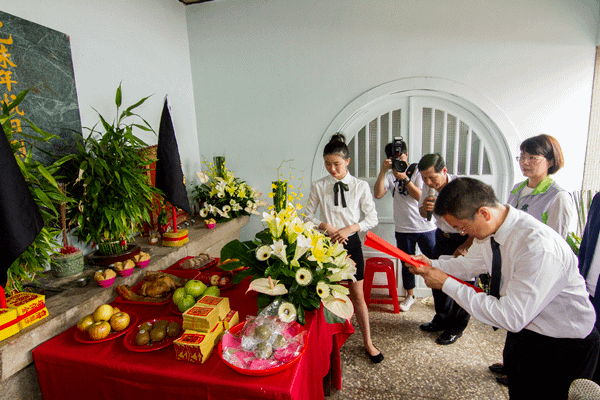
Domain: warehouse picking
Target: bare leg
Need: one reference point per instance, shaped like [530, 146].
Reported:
[362, 315]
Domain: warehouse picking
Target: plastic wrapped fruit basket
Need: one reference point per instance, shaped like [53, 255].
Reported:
[238, 351]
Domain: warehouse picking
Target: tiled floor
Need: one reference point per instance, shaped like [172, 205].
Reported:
[415, 367]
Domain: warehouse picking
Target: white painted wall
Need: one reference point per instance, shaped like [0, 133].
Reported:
[269, 76]
[142, 44]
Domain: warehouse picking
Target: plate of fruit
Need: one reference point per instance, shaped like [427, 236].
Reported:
[105, 323]
[154, 334]
[186, 296]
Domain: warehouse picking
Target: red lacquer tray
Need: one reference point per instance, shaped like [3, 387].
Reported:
[177, 265]
[180, 274]
[261, 372]
[83, 337]
[129, 340]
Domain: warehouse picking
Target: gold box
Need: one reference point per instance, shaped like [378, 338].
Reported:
[9, 323]
[31, 307]
[220, 303]
[199, 318]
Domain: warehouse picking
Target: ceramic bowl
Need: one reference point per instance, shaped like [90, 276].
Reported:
[106, 283]
[125, 272]
[142, 264]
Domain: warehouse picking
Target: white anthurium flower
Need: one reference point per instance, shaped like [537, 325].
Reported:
[267, 286]
[263, 253]
[202, 177]
[339, 304]
[303, 276]
[340, 289]
[254, 212]
[323, 290]
[279, 251]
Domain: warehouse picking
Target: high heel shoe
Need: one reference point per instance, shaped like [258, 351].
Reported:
[375, 359]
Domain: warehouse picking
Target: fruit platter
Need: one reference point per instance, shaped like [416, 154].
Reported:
[193, 290]
[154, 334]
[105, 323]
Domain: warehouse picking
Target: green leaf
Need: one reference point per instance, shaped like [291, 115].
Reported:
[331, 318]
[118, 96]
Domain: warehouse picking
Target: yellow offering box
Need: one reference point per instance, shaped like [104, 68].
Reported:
[175, 239]
[220, 303]
[194, 346]
[30, 307]
[231, 319]
[199, 318]
[9, 322]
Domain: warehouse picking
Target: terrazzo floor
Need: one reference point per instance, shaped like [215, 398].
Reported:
[415, 367]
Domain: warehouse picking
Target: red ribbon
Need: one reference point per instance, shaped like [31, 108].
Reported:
[170, 239]
[22, 317]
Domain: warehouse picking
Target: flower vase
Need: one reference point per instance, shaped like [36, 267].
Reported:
[279, 195]
[63, 265]
[219, 162]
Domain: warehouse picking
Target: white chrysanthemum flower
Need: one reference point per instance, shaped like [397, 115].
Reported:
[204, 213]
[226, 208]
[286, 312]
[263, 253]
[323, 290]
[220, 195]
[303, 276]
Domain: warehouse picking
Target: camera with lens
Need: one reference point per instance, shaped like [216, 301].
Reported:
[393, 151]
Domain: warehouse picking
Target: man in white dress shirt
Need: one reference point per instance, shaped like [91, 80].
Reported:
[541, 298]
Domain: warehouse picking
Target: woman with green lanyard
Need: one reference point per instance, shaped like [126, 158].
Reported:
[539, 195]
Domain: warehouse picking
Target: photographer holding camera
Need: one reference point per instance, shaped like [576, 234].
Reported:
[405, 183]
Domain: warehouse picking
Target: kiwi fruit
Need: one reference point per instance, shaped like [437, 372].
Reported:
[158, 333]
[146, 326]
[173, 329]
[142, 338]
[161, 323]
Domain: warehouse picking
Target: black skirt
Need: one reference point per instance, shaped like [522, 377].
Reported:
[354, 248]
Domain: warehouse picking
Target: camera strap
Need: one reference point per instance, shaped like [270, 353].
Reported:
[401, 187]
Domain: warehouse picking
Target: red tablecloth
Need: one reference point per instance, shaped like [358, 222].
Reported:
[67, 368]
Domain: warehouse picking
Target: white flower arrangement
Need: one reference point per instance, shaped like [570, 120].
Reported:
[223, 196]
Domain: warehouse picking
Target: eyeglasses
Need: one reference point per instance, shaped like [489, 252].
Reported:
[462, 229]
[530, 159]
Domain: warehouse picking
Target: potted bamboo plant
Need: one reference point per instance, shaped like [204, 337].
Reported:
[108, 178]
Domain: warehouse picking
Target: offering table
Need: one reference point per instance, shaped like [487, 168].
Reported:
[67, 368]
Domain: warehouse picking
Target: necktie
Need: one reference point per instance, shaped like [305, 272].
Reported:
[339, 187]
[496, 269]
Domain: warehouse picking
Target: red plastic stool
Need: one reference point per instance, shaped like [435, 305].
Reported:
[380, 264]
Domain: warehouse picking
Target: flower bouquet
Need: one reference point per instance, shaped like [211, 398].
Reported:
[293, 261]
[223, 196]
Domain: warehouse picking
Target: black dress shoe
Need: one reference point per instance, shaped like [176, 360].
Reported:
[503, 380]
[497, 368]
[431, 327]
[447, 338]
[375, 359]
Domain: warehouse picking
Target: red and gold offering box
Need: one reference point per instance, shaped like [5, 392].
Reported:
[199, 318]
[194, 346]
[217, 332]
[9, 322]
[231, 319]
[220, 303]
[31, 307]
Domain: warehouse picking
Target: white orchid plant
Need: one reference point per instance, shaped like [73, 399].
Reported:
[225, 197]
[293, 261]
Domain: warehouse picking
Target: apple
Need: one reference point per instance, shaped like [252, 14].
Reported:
[194, 288]
[84, 323]
[99, 330]
[178, 294]
[116, 310]
[224, 281]
[103, 312]
[119, 321]
[186, 302]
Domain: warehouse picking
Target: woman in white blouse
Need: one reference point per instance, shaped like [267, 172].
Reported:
[342, 198]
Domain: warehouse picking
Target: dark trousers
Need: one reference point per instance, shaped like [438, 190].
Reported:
[448, 314]
[407, 243]
[543, 367]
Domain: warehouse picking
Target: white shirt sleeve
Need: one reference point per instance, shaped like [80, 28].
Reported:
[367, 206]
[561, 214]
[313, 205]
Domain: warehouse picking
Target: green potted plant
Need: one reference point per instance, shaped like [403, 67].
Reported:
[109, 180]
[43, 186]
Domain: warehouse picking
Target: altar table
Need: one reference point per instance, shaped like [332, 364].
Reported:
[68, 369]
